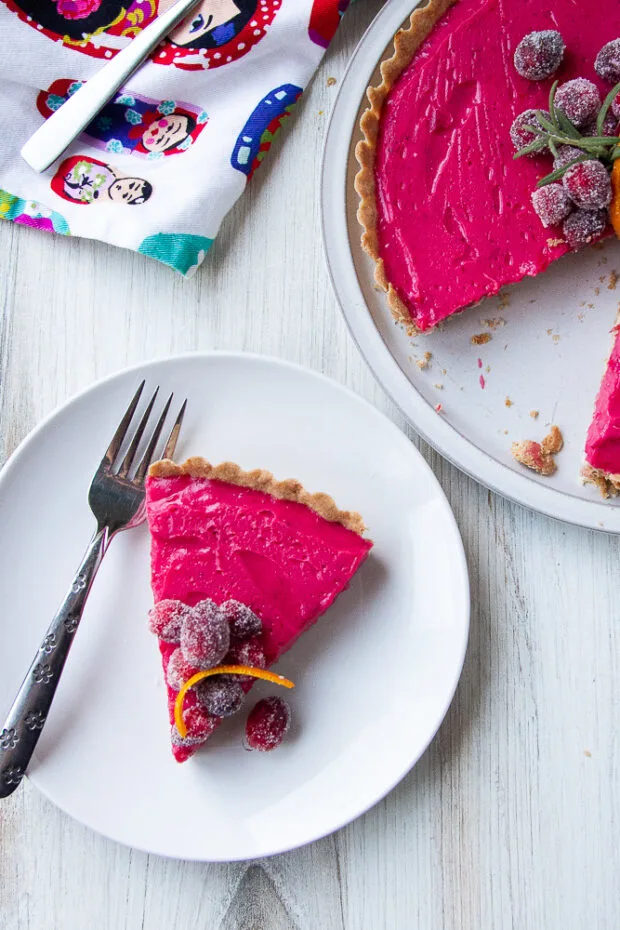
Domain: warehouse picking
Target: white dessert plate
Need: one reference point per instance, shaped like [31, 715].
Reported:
[374, 677]
[550, 336]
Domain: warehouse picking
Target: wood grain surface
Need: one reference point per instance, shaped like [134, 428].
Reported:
[511, 818]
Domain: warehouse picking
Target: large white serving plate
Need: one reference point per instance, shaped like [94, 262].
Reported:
[546, 354]
[373, 678]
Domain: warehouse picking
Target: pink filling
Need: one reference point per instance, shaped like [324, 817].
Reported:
[603, 440]
[455, 216]
[280, 558]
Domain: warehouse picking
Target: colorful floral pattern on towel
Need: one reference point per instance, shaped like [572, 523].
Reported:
[31, 213]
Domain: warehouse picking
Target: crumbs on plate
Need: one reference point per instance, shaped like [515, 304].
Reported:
[539, 456]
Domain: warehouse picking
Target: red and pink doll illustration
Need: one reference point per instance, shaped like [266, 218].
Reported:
[215, 33]
[84, 180]
[133, 124]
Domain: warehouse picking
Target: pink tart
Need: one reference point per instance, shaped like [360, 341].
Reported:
[265, 556]
[603, 440]
[446, 210]
[449, 214]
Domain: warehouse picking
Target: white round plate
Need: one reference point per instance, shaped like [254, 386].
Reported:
[548, 354]
[374, 677]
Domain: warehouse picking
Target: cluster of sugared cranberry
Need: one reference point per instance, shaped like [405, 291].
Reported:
[208, 635]
[580, 191]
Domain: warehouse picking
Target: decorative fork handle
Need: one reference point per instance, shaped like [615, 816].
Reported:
[26, 718]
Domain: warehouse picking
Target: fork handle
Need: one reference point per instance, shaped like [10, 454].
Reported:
[27, 716]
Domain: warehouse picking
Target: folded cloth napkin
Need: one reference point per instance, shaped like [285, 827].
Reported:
[160, 166]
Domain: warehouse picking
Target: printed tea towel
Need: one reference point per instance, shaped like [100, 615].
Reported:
[160, 166]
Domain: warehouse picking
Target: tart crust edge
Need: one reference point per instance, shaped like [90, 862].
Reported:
[608, 484]
[261, 480]
[406, 42]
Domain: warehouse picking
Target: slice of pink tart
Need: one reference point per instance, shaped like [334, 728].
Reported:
[602, 466]
[446, 210]
[266, 556]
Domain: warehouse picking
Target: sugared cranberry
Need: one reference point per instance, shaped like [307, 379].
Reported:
[205, 635]
[579, 100]
[566, 154]
[200, 725]
[539, 54]
[610, 126]
[165, 620]
[552, 204]
[220, 696]
[267, 724]
[243, 622]
[588, 185]
[179, 670]
[584, 226]
[520, 134]
[249, 652]
[183, 742]
[607, 62]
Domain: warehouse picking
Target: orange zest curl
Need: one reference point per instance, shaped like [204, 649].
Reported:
[614, 206]
[222, 670]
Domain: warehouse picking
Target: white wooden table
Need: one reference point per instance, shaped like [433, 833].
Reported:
[511, 818]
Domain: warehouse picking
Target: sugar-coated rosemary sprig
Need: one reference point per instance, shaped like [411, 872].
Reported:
[556, 129]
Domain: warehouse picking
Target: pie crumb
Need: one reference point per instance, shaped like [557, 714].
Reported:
[480, 339]
[612, 280]
[597, 291]
[508, 402]
[539, 455]
[553, 442]
[503, 300]
[587, 753]
[534, 414]
[553, 242]
[438, 386]
[494, 322]
[331, 81]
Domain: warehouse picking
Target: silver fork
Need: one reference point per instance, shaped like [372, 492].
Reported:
[116, 499]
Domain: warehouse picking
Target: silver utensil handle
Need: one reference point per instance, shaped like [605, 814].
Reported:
[23, 726]
[66, 123]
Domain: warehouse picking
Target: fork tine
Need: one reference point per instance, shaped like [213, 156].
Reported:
[121, 431]
[135, 442]
[171, 442]
[150, 449]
